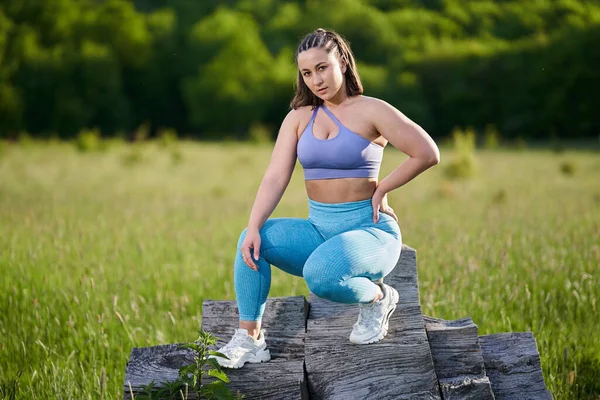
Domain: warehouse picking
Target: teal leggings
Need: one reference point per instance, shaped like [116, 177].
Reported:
[338, 250]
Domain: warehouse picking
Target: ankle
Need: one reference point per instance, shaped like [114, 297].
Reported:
[378, 297]
[252, 327]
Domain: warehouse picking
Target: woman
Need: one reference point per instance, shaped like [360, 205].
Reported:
[351, 239]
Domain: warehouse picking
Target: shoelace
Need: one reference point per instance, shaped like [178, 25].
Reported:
[368, 315]
[237, 340]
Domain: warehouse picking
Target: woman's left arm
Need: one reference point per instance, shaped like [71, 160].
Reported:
[408, 137]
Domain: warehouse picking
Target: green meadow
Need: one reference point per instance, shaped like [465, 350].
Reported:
[106, 250]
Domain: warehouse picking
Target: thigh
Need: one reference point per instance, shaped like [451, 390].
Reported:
[370, 253]
[288, 242]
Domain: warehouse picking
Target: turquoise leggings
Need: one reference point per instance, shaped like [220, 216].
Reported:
[338, 250]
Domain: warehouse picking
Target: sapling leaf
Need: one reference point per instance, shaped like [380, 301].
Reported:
[215, 364]
[219, 375]
[216, 353]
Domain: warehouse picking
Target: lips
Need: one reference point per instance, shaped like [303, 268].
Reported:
[322, 90]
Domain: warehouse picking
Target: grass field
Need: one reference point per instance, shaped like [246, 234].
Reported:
[103, 251]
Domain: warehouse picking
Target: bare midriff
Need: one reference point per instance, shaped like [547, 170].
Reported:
[341, 190]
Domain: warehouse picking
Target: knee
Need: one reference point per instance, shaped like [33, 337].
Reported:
[242, 237]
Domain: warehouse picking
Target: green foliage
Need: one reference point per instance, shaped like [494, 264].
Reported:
[463, 165]
[205, 67]
[492, 137]
[151, 245]
[89, 140]
[568, 168]
[9, 388]
[194, 375]
[167, 137]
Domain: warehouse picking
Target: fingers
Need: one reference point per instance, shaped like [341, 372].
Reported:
[248, 258]
[376, 213]
[390, 212]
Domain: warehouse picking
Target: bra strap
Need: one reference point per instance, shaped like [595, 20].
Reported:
[314, 114]
[337, 121]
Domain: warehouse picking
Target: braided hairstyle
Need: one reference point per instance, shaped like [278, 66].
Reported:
[329, 41]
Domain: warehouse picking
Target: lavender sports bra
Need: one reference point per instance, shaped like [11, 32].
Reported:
[347, 155]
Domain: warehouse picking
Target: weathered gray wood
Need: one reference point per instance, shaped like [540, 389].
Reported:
[401, 366]
[284, 321]
[161, 363]
[398, 367]
[285, 324]
[512, 363]
[281, 378]
[458, 359]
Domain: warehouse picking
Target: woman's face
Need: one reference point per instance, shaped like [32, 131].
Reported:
[322, 72]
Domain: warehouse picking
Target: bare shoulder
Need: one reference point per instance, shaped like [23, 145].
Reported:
[377, 107]
[301, 116]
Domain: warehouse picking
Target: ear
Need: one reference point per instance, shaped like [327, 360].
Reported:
[344, 66]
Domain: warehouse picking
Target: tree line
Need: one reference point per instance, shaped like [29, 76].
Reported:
[225, 68]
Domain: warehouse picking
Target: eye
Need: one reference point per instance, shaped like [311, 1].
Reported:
[321, 68]
[306, 73]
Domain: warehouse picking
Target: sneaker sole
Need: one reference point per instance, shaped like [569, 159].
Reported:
[383, 331]
[260, 356]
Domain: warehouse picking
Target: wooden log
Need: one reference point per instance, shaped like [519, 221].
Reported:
[285, 324]
[458, 359]
[512, 363]
[284, 321]
[398, 367]
[282, 377]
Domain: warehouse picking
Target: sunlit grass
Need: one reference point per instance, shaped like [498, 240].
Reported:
[102, 251]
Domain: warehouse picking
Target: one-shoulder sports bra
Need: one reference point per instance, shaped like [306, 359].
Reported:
[347, 155]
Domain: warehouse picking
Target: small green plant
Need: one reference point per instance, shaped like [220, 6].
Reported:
[142, 132]
[204, 366]
[463, 165]
[193, 376]
[168, 390]
[492, 137]
[88, 140]
[567, 168]
[167, 137]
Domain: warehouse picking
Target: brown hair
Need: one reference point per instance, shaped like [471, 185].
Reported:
[330, 41]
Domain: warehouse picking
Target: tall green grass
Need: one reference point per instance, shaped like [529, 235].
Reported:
[98, 255]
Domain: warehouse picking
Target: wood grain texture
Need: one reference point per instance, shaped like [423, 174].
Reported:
[284, 321]
[313, 357]
[398, 367]
[281, 378]
[512, 363]
[458, 359]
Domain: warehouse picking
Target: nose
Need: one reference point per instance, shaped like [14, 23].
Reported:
[318, 81]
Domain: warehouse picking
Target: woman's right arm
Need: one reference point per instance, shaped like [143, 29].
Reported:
[273, 185]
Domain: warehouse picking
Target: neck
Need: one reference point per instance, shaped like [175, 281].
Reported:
[340, 97]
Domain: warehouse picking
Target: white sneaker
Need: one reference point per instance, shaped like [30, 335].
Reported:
[373, 320]
[243, 348]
